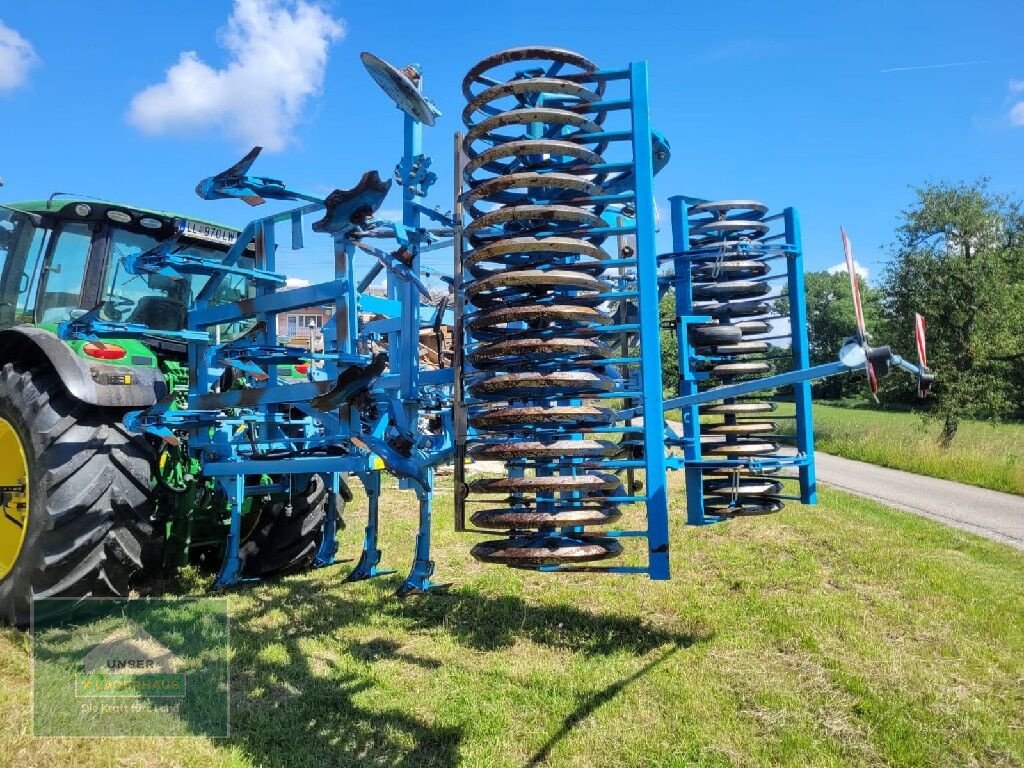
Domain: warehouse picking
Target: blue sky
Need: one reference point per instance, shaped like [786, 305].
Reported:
[835, 108]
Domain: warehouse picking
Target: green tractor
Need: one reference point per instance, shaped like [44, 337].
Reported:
[89, 508]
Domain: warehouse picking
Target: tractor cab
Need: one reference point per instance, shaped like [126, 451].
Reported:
[62, 258]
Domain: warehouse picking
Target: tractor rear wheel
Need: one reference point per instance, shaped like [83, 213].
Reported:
[75, 495]
[287, 540]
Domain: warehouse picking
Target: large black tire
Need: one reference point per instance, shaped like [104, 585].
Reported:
[89, 530]
[284, 543]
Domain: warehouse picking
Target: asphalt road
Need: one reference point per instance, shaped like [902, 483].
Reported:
[995, 515]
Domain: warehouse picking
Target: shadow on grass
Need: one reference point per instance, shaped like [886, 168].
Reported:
[296, 708]
[481, 621]
[593, 703]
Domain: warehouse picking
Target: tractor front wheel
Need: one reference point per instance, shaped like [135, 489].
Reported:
[75, 507]
[286, 540]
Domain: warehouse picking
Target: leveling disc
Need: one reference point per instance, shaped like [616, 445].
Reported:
[560, 517]
[531, 551]
[746, 508]
[536, 449]
[738, 408]
[400, 88]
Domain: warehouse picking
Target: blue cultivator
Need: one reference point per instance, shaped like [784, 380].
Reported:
[557, 370]
[359, 409]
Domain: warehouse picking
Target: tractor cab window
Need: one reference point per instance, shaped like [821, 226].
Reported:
[161, 302]
[8, 235]
[10, 227]
[20, 239]
[22, 244]
[64, 274]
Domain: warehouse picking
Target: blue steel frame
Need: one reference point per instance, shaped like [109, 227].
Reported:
[232, 432]
[650, 327]
[682, 257]
[801, 355]
[254, 431]
[643, 383]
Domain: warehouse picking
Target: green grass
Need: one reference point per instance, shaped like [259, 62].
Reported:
[986, 454]
[845, 634]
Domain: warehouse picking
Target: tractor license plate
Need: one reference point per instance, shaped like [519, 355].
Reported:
[209, 233]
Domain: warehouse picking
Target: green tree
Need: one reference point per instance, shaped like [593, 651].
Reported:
[959, 261]
[669, 345]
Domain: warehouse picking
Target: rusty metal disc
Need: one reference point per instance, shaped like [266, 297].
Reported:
[739, 369]
[485, 261]
[502, 354]
[745, 448]
[746, 508]
[536, 53]
[705, 335]
[400, 88]
[524, 91]
[539, 314]
[750, 209]
[514, 151]
[570, 416]
[533, 217]
[730, 270]
[733, 289]
[536, 449]
[533, 281]
[496, 190]
[548, 249]
[488, 129]
[588, 483]
[560, 517]
[729, 229]
[728, 310]
[742, 428]
[546, 549]
[539, 384]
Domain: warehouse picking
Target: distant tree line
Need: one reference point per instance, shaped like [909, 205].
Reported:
[958, 259]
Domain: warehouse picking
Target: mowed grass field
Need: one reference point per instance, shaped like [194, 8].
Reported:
[842, 634]
[986, 454]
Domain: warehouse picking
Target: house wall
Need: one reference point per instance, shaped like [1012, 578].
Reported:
[294, 324]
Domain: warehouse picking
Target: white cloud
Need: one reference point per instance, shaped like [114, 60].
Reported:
[297, 282]
[278, 53]
[1017, 114]
[860, 269]
[1017, 109]
[17, 57]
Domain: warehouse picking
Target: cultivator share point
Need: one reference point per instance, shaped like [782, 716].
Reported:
[150, 416]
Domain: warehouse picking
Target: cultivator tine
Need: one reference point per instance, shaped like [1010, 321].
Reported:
[347, 208]
[234, 182]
